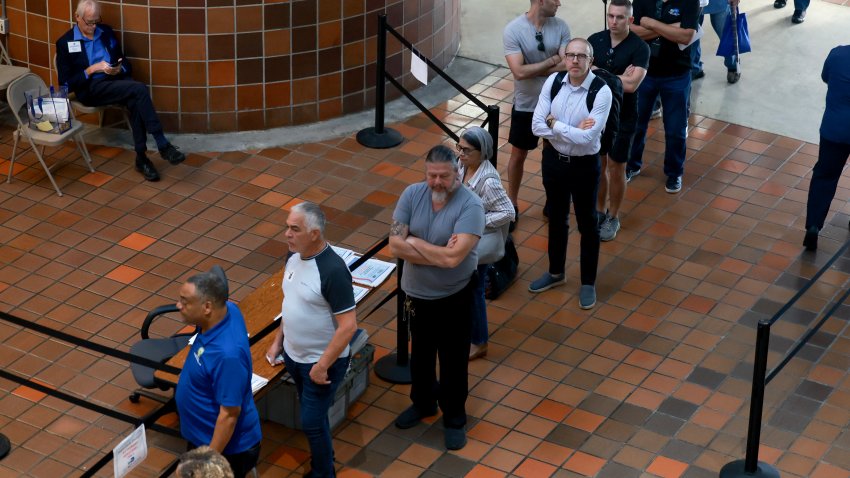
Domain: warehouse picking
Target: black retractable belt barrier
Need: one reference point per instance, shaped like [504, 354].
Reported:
[382, 137]
[750, 466]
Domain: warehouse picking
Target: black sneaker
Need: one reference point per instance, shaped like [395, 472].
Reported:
[171, 154]
[673, 185]
[799, 16]
[779, 4]
[631, 173]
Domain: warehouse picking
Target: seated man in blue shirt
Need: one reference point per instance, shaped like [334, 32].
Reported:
[214, 397]
[90, 62]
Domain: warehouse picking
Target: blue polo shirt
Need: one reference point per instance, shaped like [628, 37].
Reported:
[218, 372]
[95, 50]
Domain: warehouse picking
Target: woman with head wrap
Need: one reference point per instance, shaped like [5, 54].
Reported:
[475, 148]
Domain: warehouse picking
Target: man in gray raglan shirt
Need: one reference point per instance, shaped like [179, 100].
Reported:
[534, 48]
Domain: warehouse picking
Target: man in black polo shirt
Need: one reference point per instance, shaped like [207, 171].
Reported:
[665, 25]
[623, 53]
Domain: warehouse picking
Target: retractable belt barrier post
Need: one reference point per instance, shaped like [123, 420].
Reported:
[750, 466]
[381, 137]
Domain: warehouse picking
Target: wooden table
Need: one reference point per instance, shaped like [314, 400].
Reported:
[260, 308]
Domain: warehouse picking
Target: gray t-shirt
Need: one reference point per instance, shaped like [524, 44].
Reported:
[462, 214]
[518, 37]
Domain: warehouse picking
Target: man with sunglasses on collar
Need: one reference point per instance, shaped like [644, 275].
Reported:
[534, 49]
[91, 63]
[665, 25]
[620, 51]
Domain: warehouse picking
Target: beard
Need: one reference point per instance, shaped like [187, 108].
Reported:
[441, 197]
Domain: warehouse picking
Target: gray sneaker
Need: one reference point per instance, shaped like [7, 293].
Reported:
[546, 282]
[587, 296]
[631, 173]
[609, 229]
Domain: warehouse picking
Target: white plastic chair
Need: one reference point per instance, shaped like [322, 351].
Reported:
[17, 99]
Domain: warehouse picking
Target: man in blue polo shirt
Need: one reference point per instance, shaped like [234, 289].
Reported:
[214, 398]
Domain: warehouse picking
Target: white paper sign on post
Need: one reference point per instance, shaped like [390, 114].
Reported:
[130, 452]
[419, 68]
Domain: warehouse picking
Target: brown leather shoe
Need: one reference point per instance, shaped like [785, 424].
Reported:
[477, 351]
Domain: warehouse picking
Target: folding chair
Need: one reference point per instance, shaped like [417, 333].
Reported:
[8, 72]
[17, 99]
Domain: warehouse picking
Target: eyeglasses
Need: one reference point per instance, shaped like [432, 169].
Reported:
[539, 37]
[576, 56]
[92, 22]
[464, 151]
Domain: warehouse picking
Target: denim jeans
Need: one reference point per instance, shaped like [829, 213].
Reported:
[832, 157]
[801, 4]
[675, 92]
[578, 180]
[718, 21]
[479, 309]
[316, 400]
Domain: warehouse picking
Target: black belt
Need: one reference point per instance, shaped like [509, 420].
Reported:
[567, 158]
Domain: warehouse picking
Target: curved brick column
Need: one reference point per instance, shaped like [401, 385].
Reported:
[231, 65]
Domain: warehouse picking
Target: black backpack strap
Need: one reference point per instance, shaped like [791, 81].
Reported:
[557, 84]
[595, 86]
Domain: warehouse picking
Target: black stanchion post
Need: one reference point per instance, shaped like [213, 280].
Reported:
[493, 128]
[379, 137]
[5, 446]
[395, 368]
[750, 466]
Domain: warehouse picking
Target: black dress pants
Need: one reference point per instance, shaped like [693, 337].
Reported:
[441, 327]
[135, 96]
[832, 157]
[576, 179]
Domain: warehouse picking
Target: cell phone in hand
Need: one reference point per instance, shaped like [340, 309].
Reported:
[117, 63]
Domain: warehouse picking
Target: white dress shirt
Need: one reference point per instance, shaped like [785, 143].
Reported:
[569, 108]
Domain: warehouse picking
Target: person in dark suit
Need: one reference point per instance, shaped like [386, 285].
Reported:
[91, 63]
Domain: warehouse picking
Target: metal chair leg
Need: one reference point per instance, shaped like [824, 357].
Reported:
[38, 154]
[17, 135]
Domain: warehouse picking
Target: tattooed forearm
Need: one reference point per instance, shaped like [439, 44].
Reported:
[399, 229]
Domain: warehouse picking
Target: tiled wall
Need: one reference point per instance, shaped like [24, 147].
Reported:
[227, 65]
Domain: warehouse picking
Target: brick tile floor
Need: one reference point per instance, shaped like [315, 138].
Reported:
[654, 381]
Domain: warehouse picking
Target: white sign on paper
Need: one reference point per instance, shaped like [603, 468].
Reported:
[419, 68]
[130, 452]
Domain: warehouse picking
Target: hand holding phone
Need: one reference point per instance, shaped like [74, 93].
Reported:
[117, 63]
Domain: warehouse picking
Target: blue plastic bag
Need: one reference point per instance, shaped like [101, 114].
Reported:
[727, 40]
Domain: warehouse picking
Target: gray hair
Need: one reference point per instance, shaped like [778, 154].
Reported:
[203, 462]
[442, 154]
[314, 218]
[209, 286]
[480, 139]
[84, 5]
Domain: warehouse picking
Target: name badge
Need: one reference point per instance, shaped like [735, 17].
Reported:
[74, 47]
